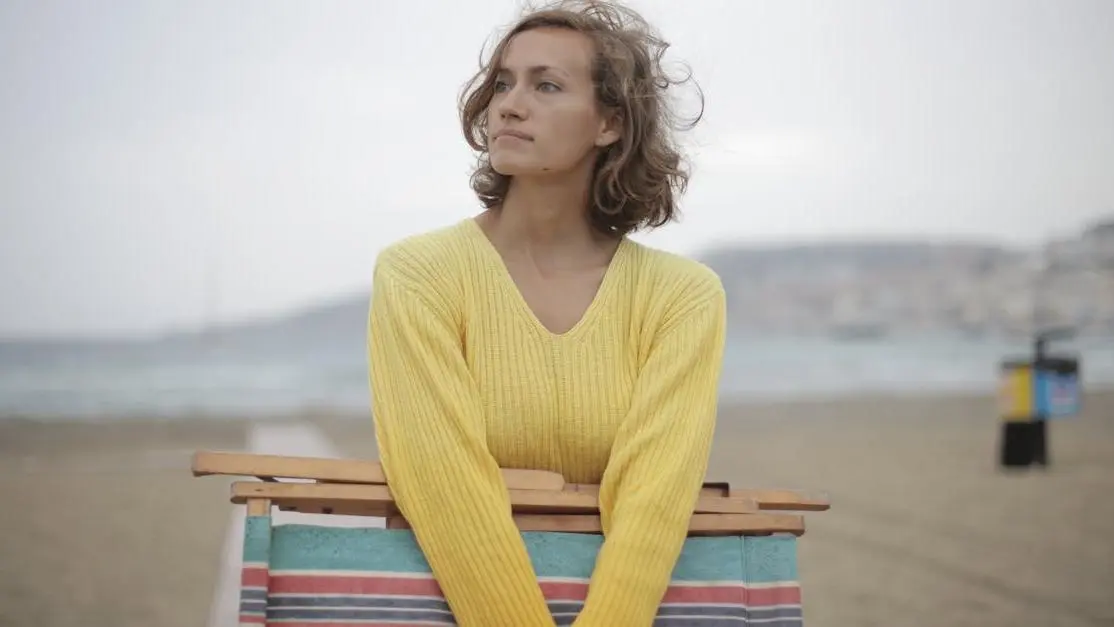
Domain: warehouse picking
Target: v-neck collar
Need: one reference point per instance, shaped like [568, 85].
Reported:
[506, 282]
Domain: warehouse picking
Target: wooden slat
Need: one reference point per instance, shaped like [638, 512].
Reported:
[376, 500]
[341, 471]
[335, 498]
[746, 524]
[725, 505]
[700, 525]
[339, 508]
[766, 499]
[271, 467]
[775, 499]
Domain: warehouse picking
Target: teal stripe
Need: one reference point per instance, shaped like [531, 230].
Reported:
[750, 559]
[257, 538]
[311, 547]
[562, 554]
[770, 558]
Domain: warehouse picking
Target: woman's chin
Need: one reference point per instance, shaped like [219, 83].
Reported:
[512, 167]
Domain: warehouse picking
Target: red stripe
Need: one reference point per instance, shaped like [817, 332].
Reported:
[781, 595]
[789, 594]
[254, 619]
[348, 584]
[704, 594]
[564, 590]
[756, 597]
[254, 577]
[374, 623]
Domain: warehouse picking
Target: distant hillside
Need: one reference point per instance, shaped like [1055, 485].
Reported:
[809, 287]
[732, 263]
[337, 327]
[728, 260]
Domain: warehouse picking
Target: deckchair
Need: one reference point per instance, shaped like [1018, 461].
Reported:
[738, 565]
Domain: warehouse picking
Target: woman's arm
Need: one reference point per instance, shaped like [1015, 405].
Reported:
[429, 426]
[658, 465]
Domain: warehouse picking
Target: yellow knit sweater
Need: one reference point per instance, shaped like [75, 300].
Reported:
[466, 380]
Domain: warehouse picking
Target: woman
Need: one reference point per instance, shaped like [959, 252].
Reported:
[537, 335]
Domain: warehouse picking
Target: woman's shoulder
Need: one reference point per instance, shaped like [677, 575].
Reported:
[674, 277]
[428, 258]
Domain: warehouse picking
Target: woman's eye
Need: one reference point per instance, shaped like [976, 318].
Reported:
[500, 85]
[547, 86]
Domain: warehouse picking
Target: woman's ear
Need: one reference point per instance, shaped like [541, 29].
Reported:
[609, 130]
[606, 138]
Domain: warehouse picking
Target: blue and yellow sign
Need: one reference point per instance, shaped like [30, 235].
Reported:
[1043, 389]
[1016, 400]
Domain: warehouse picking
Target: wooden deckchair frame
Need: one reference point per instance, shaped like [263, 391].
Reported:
[540, 500]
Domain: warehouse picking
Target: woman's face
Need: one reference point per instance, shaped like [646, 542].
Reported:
[543, 118]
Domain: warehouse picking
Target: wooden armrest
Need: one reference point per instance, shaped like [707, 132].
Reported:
[700, 525]
[359, 487]
[274, 467]
[377, 500]
[766, 499]
[777, 499]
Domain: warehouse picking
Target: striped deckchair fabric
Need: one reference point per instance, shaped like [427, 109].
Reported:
[738, 567]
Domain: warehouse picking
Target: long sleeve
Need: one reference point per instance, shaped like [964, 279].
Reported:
[657, 466]
[429, 426]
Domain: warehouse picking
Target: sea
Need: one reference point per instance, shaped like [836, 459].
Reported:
[319, 363]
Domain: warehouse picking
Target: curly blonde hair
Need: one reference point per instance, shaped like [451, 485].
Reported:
[636, 180]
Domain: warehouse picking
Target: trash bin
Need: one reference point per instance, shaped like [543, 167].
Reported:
[1032, 392]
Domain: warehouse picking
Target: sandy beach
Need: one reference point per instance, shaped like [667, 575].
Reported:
[103, 524]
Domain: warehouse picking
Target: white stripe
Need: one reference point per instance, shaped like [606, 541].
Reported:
[774, 584]
[296, 572]
[733, 583]
[299, 439]
[789, 606]
[323, 609]
[347, 595]
[572, 580]
[357, 621]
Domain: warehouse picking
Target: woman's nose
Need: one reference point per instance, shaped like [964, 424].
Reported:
[512, 103]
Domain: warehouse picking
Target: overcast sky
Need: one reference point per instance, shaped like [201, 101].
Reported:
[279, 145]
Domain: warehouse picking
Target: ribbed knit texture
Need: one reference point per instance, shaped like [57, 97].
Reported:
[466, 380]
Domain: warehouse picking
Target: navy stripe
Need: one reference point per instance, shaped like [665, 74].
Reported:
[253, 607]
[686, 621]
[702, 611]
[732, 611]
[375, 608]
[367, 614]
[556, 607]
[358, 601]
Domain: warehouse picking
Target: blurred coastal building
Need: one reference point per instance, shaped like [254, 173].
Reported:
[1076, 282]
[871, 289]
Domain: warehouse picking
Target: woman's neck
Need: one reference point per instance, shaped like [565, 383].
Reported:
[550, 223]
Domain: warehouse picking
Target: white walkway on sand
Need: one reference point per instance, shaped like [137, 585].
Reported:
[281, 439]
